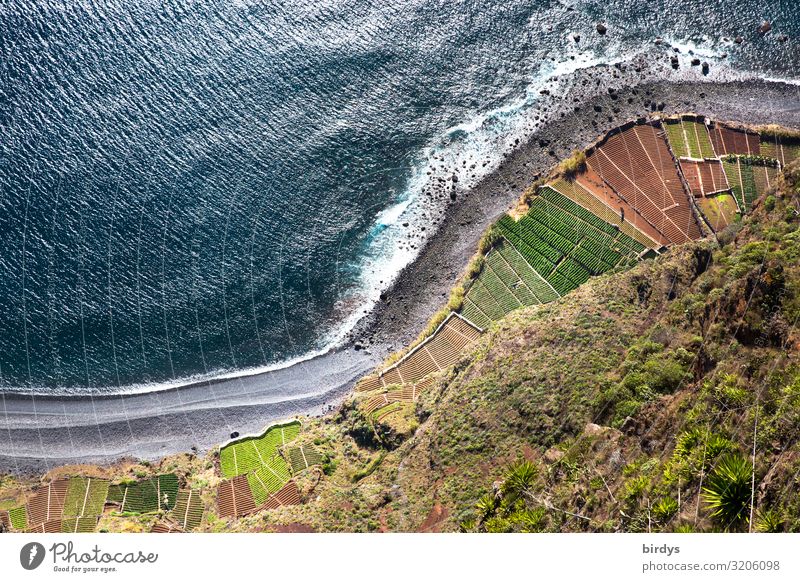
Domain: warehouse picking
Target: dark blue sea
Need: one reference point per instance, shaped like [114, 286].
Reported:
[193, 189]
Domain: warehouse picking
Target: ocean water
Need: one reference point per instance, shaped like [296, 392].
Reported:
[194, 189]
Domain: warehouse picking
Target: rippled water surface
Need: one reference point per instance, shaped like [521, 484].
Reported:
[193, 188]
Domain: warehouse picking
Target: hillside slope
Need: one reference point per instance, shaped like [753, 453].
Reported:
[634, 400]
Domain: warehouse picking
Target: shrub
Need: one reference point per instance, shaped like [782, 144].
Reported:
[636, 486]
[486, 506]
[687, 441]
[752, 160]
[490, 238]
[769, 521]
[531, 520]
[572, 165]
[727, 490]
[520, 479]
[776, 131]
[665, 509]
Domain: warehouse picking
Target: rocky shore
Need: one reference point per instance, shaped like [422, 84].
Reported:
[583, 115]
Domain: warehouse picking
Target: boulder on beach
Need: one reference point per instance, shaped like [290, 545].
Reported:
[601, 28]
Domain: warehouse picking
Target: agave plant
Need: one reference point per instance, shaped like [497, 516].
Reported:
[665, 509]
[727, 490]
[486, 506]
[769, 521]
[520, 479]
[530, 520]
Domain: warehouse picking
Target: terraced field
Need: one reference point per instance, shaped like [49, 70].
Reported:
[188, 510]
[146, 496]
[548, 252]
[719, 211]
[269, 478]
[85, 497]
[303, 457]
[783, 149]
[248, 455]
[18, 518]
[748, 181]
[689, 138]
[78, 525]
[258, 461]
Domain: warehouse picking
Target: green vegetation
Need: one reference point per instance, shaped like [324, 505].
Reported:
[548, 252]
[188, 510]
[85, 497]
[369, 469]
[249, 454]
[752, 160]
[572, 165]
[513, 507]
[719, 211]
[303, 457]
[79, 525]
[748, 181]
[689, 139]
[268, 479]
[148, 495]
[727, 491]
[18, 517]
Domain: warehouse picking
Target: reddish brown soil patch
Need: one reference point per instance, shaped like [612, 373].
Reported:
[433, 522]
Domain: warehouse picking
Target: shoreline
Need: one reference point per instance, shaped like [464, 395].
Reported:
[43, 432]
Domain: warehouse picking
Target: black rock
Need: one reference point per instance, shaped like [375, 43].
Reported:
[695, 62]
[783, 38]
[738, 40]
[705, 67]
[659, 40]
[765, 27]
[576, 37]
[601, 28]
[234, 434]
[454, 178]
[675, 63]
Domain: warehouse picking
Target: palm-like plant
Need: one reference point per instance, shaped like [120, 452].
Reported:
[665, 509]
[769, 521]
[486, 506]
[520, 479]
[727, 490]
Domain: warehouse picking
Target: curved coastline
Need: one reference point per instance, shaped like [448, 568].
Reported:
[40, 432]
